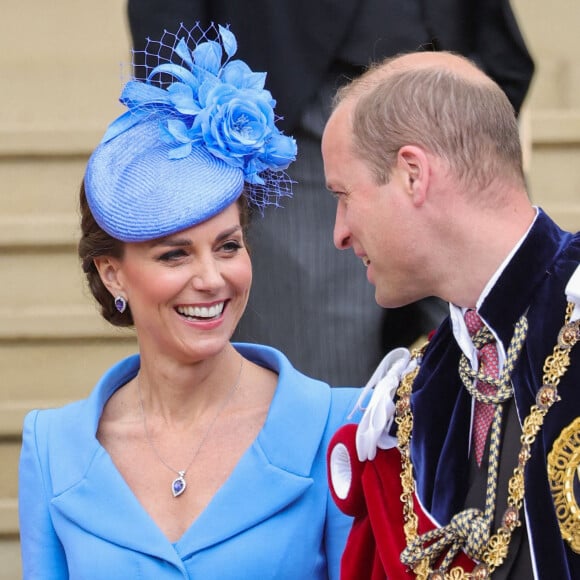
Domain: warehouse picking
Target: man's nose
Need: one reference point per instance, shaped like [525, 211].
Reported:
[341, 233]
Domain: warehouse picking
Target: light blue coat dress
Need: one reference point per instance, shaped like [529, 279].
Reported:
[273, 517]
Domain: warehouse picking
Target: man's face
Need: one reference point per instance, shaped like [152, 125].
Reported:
[375, 220]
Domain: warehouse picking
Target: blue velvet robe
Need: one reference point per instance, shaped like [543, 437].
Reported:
[272, 518]
[533, 281]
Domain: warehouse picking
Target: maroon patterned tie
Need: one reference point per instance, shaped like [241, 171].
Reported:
[489, 365]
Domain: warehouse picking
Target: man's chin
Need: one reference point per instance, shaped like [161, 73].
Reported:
[386, 300]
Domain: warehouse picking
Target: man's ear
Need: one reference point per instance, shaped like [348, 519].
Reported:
[108, 269]
[414, 165]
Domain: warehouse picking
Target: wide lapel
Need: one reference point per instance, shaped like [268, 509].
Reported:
[89, 489]
[537, 278]
[272, 474]
[276, 469]
[528, 269]
[520, 288]
[103, 505]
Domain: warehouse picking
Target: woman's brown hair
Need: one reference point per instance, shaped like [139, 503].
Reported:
[95, 242]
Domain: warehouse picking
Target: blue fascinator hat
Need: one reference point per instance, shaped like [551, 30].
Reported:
[199, 131]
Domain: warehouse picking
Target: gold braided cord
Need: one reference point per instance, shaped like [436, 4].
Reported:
[470, 528]
[496, 548]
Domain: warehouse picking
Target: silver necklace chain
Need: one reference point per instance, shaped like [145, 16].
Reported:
[179, 484]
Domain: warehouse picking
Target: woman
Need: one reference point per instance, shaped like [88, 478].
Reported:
[196, 457]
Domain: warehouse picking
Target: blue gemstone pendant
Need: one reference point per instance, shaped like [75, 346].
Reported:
[179, 484]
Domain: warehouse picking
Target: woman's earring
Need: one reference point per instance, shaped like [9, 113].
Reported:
[120, 304]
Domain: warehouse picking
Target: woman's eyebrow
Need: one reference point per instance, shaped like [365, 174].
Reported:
[175, 242]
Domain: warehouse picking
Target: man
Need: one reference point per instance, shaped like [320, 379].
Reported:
[423, 156]
[304, 293]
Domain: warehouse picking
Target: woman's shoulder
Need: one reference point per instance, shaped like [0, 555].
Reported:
[345, 397]
[77, 416]
[52, 437]
[299, 393]
[44, 420]
[276, 360]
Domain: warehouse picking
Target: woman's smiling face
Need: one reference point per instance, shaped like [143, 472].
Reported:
[187, 291]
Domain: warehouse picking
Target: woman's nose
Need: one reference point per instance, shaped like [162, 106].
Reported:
[206, 275]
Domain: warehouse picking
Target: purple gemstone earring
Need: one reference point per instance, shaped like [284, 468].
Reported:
[120, 304]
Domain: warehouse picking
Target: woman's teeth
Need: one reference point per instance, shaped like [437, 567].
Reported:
[201, 311]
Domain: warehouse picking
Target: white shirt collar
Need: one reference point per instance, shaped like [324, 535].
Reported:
[458, 326]
[573, 293]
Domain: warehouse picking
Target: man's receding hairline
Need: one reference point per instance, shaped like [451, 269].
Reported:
[447, 63]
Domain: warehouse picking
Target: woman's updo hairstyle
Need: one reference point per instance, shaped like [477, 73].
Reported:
[95, 242]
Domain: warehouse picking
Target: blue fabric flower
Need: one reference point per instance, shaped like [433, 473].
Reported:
[221, 105]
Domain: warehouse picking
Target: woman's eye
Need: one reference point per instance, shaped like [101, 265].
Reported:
[231, 246]
[172, 255]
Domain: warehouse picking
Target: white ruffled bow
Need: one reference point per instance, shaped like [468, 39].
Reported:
[373, 429]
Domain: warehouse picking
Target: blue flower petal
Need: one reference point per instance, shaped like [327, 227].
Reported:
[178, 130]
[239, 74]
[256, 80]
[182, 97]
[208, 56]
[183, 52]
[207, 90]
[180, 152]
[122, 123]
[178, 72]
[280, 151]
[222, 107]
[252, 173]
[229, 41]
[136, 94]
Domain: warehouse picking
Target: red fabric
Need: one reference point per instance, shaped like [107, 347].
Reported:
[377, 538]
[354, 502]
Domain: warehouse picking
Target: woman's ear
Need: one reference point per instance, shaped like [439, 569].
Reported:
[414, 165]
[108, 269]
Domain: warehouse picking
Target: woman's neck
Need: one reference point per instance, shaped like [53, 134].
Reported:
[181, 393]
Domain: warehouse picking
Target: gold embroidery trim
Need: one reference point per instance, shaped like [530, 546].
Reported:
[555, 366]
[563, 471]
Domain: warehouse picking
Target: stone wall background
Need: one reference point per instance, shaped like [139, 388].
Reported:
[62, 66]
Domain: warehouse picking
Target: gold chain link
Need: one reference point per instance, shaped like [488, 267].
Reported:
[555, 366]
